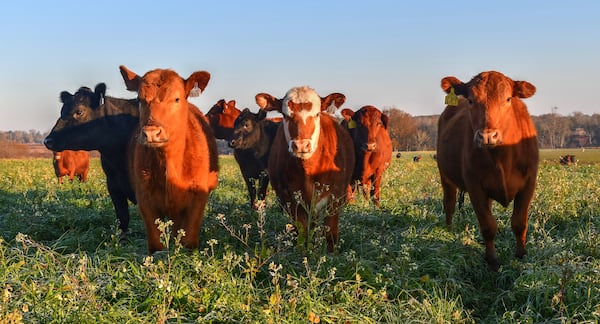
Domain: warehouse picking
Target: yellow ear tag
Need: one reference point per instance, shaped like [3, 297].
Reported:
[451, 98]
[351, 124]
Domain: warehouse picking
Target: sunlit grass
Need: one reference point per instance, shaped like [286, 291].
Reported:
[61, 259]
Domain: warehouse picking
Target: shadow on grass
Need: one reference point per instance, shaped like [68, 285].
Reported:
[69, 218]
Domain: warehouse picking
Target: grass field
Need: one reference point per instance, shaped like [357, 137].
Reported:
[61, 261]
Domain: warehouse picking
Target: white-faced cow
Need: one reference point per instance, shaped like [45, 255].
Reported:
[311, 160]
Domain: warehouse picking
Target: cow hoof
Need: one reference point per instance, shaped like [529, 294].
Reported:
[493, 265]
[123, 236]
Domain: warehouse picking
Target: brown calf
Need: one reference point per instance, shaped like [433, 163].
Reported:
[71, 163]
[487, 146]
[372, 146]
[175, 159]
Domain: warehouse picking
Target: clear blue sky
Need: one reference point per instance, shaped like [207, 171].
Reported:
[383, 53]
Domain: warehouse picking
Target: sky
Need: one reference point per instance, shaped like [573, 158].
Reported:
[390, 54]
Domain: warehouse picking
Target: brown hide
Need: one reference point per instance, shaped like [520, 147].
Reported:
[487, 146]
[71, 163]
[372, 146]
[321, 181]
[175, 159]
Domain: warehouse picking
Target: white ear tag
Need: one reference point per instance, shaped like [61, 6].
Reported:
[195, 92]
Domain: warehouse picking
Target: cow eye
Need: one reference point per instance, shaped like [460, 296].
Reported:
[508, 99]
[176, 99]
[79, 113]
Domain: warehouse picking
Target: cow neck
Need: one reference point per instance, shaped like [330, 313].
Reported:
[121, 118]
[262, 146]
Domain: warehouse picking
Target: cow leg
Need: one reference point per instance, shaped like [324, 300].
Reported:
[263, 184]
[119, 200]
[449, 200]
[376, 190]
[332, 231]
[84, 176]
[149, 216]
[487, 225]
[366, 183]
[519, 218]
[192, 221]
[251, 190]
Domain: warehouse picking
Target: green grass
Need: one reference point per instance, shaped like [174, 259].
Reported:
[61, 260]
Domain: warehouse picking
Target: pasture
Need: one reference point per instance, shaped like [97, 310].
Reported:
[61, 260]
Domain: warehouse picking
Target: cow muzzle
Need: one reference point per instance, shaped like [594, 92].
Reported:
[302, 148]
[369, 147]
[153, 136]
[487, 137]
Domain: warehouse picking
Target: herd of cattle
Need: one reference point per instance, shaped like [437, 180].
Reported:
[159, 151]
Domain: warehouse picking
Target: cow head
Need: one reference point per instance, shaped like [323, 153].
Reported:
[246, 130]
[77, 113]
[301, 109]
[492, 100]
[364, 126]
[163, 104]
[221, 118]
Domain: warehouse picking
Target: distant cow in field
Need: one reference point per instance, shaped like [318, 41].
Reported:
[175, 158]
[311, 160]
[487, 146]
[416, 158]
[567, 159]
[398, 155]
[221, 118]
[90, 120]
[71, 163]
[252, 131]
[372, 146]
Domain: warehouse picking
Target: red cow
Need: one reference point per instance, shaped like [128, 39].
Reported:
[221, 118]
[175, 159]
[372, 146]
[71, 163]
[487, 146]
[311, 160]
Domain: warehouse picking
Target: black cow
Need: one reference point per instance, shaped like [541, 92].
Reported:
[253, 132]
[89, 120]
[567, 159]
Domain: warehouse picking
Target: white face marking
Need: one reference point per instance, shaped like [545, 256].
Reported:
[302, 95]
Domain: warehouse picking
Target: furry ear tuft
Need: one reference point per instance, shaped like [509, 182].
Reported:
[65, 96]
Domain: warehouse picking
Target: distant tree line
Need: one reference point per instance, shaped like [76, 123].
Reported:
[554, 130]
[23, 137]
[419, 133]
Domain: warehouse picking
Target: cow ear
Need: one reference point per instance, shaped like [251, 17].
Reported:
[221, 103]
[267, 102]
[336, 99]
[132, 80]
[99, 92]
[65, 96]
[231, 104]
[100, 89]
[523, 89]
[450, 82]
[384, 120]
[196, 80]
[347, 114]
